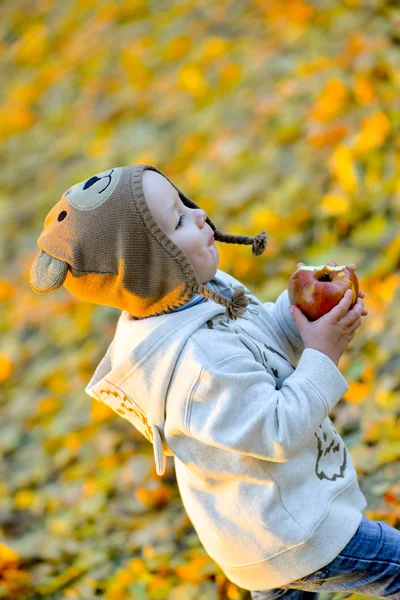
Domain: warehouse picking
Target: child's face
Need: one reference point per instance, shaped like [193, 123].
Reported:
[186, 227]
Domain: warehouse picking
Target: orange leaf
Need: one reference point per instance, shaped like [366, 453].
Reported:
[6, 367]
[357, 392]
[393, 495]
[328, 137]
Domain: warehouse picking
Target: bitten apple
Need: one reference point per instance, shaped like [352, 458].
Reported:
[316, 290]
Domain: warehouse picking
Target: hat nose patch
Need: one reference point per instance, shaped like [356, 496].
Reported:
[91, 193]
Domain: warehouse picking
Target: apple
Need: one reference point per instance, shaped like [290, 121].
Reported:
[316, 290]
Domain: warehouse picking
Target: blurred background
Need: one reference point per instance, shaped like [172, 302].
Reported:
[268, 114]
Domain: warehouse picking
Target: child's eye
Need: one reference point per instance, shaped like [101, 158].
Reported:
[179, 222]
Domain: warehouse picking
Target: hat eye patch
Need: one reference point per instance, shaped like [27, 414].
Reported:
[94, 180]
[93, 192]
[62, 215]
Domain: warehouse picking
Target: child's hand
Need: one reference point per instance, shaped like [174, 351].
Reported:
[332, 332]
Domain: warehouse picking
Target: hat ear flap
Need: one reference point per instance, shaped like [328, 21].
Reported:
[47, 273]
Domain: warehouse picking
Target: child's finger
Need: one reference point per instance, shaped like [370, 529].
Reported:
[342, 308]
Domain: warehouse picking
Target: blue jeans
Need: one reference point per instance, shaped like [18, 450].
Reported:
[369, 564]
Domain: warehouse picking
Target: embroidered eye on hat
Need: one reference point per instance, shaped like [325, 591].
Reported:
[102, 242]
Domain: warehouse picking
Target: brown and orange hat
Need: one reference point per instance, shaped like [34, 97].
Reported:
[102, 242]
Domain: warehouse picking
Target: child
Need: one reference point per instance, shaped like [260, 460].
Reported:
[236, 390]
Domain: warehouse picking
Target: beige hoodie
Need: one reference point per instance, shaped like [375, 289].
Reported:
[264, 476]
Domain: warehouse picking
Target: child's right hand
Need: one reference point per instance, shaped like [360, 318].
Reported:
[332, 332]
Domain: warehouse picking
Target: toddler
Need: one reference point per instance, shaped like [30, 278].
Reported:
[237, 391]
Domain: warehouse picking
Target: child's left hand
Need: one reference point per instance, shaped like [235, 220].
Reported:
[351, 266]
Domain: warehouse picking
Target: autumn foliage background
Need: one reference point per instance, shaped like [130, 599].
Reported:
[269, 114]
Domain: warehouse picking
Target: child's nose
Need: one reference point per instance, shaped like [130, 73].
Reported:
[203, 215]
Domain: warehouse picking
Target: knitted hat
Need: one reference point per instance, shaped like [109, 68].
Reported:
[102, 242]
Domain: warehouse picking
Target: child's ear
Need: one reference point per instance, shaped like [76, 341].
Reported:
[47, 273]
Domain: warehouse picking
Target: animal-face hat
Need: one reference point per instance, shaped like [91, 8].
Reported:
[102, 242]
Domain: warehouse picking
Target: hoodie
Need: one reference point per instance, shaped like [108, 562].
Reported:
[242, 407]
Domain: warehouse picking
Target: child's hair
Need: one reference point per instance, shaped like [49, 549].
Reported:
[102, 242]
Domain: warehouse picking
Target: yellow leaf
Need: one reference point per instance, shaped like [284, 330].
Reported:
[98, 147]
[85, 5]
[374, 130]
[72, 441]
[264, 218]
[243, 267]
[32, 45]
[108, 462]
[145, 159]
[191, 144]
[320, 63]
[330, 101]
[177, 48]
[388, 451]
[22, 93]
[71, 594]
[137, 567]
[370, 232]
[101, 412]
[56, 382]
[107, 12]
[191, 79]
[159, 587]
[392, 250]
[58, 526]
[15, 118]
[48, 405]
[24, 498]
[384, 398]
[357, 392]
[343, 168]
[334, 204]
[213, 47]
[132, 60]
[8, 557]
[385, 289]
[230, 74]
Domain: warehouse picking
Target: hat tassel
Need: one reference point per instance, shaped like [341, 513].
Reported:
[260, 242]
[238, 304]
[235, 306]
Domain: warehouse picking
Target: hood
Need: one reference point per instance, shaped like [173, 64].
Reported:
[134, 375]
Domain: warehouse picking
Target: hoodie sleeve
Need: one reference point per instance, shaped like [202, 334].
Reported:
[234, 405]
[279, 312]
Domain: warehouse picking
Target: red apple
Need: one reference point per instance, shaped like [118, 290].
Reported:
[316, 290]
